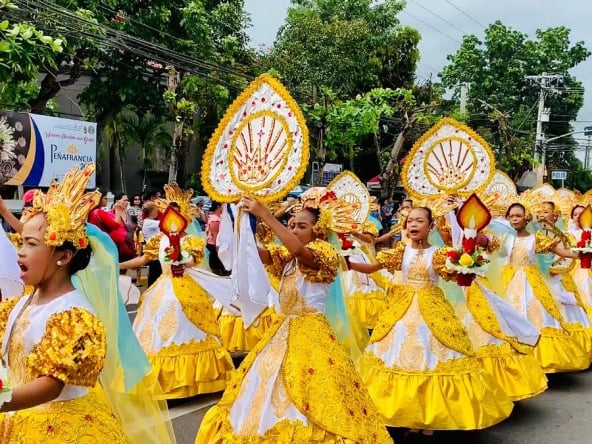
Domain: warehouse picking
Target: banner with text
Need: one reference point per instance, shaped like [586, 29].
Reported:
[36, 149]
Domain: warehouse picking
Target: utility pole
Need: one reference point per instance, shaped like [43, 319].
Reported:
[546, 88]
[464, 91]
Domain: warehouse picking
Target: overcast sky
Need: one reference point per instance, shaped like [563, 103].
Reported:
[449, 20]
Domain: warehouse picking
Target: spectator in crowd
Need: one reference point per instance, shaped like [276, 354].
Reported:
[212, 228]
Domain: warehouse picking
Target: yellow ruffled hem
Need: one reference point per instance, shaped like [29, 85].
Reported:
[519, 375]
[189, 373]
[235, 338]
[216, 429]
[367, 306]
[558, 351]
[447, 400]
[81, 420]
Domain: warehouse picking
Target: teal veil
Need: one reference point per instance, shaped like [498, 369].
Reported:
[344, 321]
[126, 378]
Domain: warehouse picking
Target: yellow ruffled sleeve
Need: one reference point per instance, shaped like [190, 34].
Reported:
[6, 307]
[391, 259]
[152, 247]
[544, 244]
[280, 256]
[195, 246]
[326, 260]
[265, 235]
[72, 349]
[369, 228]
[439, 263]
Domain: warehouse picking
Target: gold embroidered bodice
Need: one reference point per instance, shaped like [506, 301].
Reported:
[17, 359]
[520, 255]
[418, 275]
[292, 303]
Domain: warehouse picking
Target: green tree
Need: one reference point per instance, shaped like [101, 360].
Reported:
[349, 46]
[502, 101]
[24, 51]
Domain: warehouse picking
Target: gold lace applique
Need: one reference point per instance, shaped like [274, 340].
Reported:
[369, 228]
[391, 259]
[17, 360]
[195, 246]
[196, 304]
[315, 362]
[6, 306]
[152, 247]
[520, 256]
[290, 301]
[326, 261]
[280, 256]
[439, 263]
[418, 275]
[545, 244]
[268, 363]
[169, 323]
[73, 348]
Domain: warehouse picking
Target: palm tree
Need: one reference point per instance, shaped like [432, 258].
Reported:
[150, 133]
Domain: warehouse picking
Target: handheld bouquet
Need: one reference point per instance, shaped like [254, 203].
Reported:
[349, 246]
[173, 224]
[469, 260]
[584, 245]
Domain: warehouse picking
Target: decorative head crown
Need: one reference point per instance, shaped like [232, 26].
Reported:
[66, 207]
[334, 214]
[173, 193]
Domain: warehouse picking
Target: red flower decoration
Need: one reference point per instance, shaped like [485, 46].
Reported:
[586, 235]
[311, 371]
[581, 244]
[452, 255]
[52, 236]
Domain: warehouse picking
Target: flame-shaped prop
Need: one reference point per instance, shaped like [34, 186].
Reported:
[586, 218]
[473, 216]
[172, 225]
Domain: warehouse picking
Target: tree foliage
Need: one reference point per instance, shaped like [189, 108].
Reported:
[25, 51]
[502, 101]
[348, 46]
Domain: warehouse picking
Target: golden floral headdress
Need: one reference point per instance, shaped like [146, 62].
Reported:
[334, 214]
[174, 193]
[66, 207]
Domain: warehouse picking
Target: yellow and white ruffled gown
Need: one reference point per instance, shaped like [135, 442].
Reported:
[420, 367]
[177, 329]
[297, 385]
[563, 345]
[63, 339]
[503, 340]
[366, 294]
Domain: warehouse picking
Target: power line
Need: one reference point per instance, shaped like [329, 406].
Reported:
[464, 13]
[432, 27]
[121, 40]
[440, 18]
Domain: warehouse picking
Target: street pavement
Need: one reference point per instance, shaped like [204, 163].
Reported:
[561, 415]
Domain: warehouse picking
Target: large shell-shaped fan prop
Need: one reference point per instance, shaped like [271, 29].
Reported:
[503, 186]
[260, 147]
[450, 158]
[348, 187]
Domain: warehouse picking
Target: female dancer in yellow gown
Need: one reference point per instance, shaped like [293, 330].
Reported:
[420, 367]
[176, 323]
[297, 385]
[563, 345]
[62, 344]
